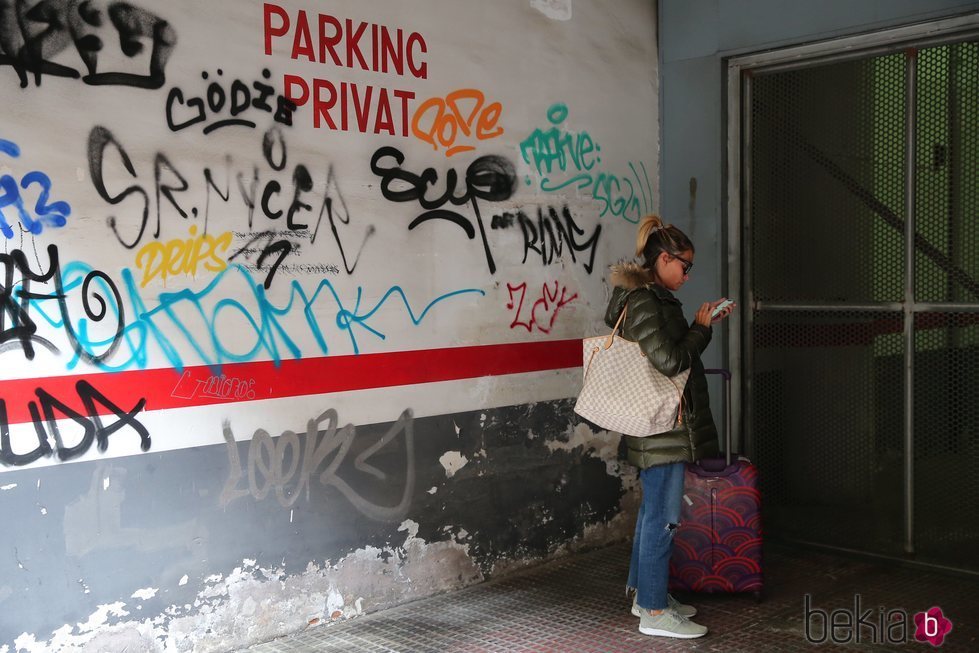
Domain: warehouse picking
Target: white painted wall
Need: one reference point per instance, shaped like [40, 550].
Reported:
[519, 58]
[166, 539]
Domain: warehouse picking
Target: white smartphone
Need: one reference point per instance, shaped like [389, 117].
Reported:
[720, 307]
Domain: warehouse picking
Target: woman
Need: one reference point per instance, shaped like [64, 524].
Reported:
[655, 320]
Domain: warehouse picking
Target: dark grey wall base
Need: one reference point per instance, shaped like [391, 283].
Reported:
[217, 547]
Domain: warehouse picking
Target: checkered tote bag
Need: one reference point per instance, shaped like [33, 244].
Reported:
[623, 392]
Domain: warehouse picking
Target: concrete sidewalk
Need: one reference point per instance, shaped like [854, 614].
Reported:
[579, 604]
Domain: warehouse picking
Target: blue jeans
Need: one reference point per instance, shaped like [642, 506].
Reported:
[659, 515]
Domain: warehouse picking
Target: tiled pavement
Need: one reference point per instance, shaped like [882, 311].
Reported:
[578, 604]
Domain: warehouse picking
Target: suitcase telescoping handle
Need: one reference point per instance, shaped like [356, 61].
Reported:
[726, 375]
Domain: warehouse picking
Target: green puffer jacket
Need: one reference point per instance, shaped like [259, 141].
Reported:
[655, 320]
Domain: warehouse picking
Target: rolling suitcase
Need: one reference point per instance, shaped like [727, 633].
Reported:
[717, 547]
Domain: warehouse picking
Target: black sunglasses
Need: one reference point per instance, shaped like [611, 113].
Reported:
[687, 265]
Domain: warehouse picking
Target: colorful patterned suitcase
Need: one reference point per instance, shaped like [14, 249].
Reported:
[717, 547]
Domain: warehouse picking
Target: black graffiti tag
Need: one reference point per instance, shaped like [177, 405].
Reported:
[31, 35]
[491, 178]
[94, 429]
[211, 105]
[550, 236]
[16, 298]
[170, 189]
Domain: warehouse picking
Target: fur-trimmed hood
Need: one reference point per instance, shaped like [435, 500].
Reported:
[629, 275]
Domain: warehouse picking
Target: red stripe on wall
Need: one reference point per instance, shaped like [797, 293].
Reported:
[200, 386]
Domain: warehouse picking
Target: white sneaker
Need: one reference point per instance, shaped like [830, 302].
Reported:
[669, 623]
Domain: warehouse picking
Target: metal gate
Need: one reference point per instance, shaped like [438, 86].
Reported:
[858, 225]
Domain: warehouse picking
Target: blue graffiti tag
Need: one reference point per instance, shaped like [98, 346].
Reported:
[54, 214]
[199, 326]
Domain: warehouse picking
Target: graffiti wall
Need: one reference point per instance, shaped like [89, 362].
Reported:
[292, 300]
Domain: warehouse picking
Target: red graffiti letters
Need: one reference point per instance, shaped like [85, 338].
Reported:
[544, 309]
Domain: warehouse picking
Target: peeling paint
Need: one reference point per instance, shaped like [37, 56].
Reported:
[26, 642]
[553, 9]
[101, 615]
[601, 444]
[253, 604]
[145, 593]
[334, 603]
[453, 461]
[411, 526]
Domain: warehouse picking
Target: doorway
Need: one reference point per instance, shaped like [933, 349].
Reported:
[855, 200]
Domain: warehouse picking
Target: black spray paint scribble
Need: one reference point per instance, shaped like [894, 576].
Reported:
[19, 330]
[237, 99]
[491, 178]
[322, 455]
[271, 249]
[549, 235]
[48, 409]
[333, 205]
[272, 195]
[32, 34]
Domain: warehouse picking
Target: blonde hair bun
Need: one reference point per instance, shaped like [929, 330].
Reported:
[647, 226]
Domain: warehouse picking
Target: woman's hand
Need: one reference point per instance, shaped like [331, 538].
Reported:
[705, 314]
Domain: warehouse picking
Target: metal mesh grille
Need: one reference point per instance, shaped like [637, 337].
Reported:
[946, 416]
[828, 416]
[947, 186]
[827, 393]
[827, 193]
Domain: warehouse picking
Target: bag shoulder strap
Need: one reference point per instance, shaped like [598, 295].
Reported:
[615, 329]
[621, 320]
[609, 341]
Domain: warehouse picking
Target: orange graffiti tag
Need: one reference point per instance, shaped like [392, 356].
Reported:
[462, 113]
[544, 310]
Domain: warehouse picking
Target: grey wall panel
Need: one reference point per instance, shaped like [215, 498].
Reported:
[162, 535]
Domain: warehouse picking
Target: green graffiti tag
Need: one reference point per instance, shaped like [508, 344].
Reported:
[575, 158]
